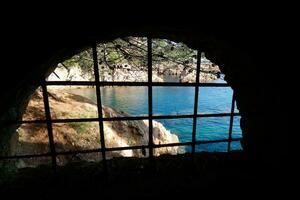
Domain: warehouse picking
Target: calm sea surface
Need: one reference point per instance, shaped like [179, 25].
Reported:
[178, 100]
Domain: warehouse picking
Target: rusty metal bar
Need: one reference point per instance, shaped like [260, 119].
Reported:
[138, 84]
[99, 104]
[26, 156]
[117, 149]
[149, 62]
[196, 102]
[124, 118]
[231, 122]
[49, 126]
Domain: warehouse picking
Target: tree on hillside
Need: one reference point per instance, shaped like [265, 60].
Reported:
[132, 51]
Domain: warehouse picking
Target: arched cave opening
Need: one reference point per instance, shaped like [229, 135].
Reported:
[238, 67]
[172, 62]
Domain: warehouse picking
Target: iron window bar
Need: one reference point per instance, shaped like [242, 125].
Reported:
[231, 122]
[137, 84]
[86, 151]
[97, 83]
[149, 63]
[196, 102]
[154, 117]
[49, 126]
[99, 104]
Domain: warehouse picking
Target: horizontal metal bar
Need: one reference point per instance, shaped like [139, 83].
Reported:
[123, 84]
[25, 156]
[170, 116]
[165, 84]
[127, 148]
[116, 149]
[214, 85]
[79, 151]
[63, 83]
[217, 141]
[75, 120]
[169, 144]
[173, 144]
[38, 121]
[175, 84]
[124, 118]
[191, 115]
[218, 114]
[43, 121]
[196, 142]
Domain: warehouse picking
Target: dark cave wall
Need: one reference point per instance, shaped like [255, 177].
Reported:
[247, 63]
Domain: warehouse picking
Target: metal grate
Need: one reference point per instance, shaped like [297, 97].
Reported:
[97, 83]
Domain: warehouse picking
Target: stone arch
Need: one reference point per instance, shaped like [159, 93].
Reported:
[238, 67]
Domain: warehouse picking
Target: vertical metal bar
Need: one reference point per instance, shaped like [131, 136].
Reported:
[49, 125]
[231, 122]
[196, 101]
[99, 104]
[149, 50]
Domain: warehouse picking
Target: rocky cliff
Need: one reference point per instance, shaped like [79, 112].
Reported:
[33, 138]
[209, 72]
[75, 73]
[187, 74]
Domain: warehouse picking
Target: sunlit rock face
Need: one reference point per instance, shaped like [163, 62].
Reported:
[130, 76]
[125, 73]
[208, 72]
[75, 73]
[85, 135]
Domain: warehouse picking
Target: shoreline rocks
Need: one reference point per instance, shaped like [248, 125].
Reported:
[33, 138]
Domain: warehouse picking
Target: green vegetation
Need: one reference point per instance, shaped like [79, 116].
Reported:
[85, 112]
[80, 127]
[131, 141]
[132, 52]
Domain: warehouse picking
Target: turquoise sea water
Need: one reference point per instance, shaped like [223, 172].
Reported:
[178, 100]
